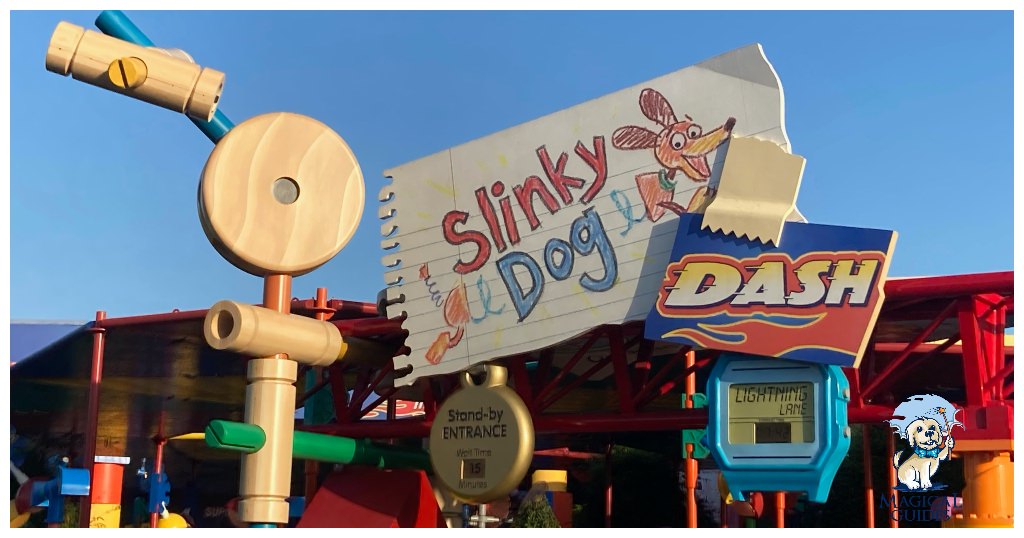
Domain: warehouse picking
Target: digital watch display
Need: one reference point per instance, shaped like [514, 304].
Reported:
[777, 425]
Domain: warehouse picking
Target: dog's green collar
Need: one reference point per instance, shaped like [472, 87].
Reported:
[923, 453]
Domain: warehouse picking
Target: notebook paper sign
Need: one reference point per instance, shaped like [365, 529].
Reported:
[815, 299]
[536, 234]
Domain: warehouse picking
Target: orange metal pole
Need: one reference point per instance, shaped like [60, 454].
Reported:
[869, 485]
[92, 419]
[277, 292]
[894, 519]
[780, 509]
[691, 462]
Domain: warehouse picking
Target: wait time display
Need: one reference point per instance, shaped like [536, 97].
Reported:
[771, 413]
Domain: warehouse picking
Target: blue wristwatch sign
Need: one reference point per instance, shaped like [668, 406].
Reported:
[777, 425]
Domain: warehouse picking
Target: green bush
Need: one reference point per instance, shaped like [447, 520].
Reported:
[535, 513]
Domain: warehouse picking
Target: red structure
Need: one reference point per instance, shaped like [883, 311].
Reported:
[361, 497]
[939, 334]
[917, 312]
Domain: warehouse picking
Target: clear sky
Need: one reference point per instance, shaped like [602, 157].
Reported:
[905, 119]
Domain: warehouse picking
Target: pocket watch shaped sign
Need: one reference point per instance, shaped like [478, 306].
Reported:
[481, 442]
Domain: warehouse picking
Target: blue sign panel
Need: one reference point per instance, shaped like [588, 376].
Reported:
[814, 298]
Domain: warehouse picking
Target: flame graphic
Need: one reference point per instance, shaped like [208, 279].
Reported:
[707, 331]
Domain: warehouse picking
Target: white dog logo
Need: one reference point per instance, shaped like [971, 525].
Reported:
[926, 422]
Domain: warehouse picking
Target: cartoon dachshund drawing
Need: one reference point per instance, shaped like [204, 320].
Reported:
[680, 146]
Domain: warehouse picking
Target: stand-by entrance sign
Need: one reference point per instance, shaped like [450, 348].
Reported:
[481, 441]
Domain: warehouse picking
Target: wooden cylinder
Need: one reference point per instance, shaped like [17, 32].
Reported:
[281, 193]
[148, 74]
[260, 332]
[266, 474]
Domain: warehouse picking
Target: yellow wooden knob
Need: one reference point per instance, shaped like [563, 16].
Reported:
[127, 73]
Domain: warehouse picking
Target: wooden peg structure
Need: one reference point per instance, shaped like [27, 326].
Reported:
[145, 73]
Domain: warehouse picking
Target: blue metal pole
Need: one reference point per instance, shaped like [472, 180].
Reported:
[115, 23]
[216, 128]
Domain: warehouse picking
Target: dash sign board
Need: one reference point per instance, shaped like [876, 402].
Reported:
[814, 298]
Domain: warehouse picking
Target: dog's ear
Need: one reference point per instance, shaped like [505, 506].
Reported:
[656, 108]
[910, 436]
[633, 137]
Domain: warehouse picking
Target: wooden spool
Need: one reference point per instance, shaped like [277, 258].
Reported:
[280, 194]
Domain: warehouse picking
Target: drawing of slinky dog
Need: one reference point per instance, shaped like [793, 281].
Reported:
[926, 422]
[679, 146]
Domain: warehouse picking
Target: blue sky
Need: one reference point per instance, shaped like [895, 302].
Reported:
[905, 119]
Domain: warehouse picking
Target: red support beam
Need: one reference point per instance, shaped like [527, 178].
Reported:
[881, 380]
[956, 349]
[667, 387]
[565, 369]
[869, 414]
[916, 359]
[644, 391]
[542, 405]
[381, 398]
[559, 423]
[564, 452]
[973, 357]
[366, 327]
[339, 391]
[949, 286]
[642, 366]
[92, 419]
[341, 307]
[998, 379]
[575, 423]
[365, 386]
[175, 315]
[622, 383]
